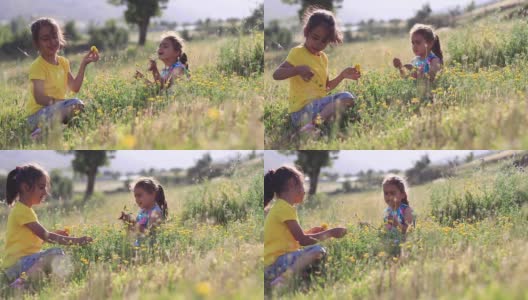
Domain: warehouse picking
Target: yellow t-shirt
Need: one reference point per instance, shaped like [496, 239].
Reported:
[302, 92]
[55, 80]
[20, 240]
[278, 239]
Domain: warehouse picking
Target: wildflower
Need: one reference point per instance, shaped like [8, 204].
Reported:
[324, 226]
[94, 50]
[352, 259]
[318, 120]
[366, 255]
[358, 68]
[203, 288]
[382, 254]
[23, 275]
[129, 141]
[213, 113]
[415, 100]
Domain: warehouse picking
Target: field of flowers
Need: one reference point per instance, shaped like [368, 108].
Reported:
[476, 102]
[219, 108]
[478, 256]
[191, 259]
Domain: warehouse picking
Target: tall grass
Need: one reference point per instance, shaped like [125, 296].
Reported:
[466, 108]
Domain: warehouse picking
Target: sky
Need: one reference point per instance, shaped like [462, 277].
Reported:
[124, 161]
[353, 11]
[353, 161]
[100, 10]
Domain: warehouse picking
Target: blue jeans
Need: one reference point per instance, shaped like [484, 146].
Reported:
[309, 111]
[26, 262]
[48, 112]
[287, 260]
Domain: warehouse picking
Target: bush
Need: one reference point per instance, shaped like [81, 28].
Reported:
[61, 187]
[244, 57]
[506, 193]
[224, 203]
[481, 46]
[276, 37]
[109, 37]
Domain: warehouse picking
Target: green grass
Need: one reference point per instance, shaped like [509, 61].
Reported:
[471, 259]
[216, 109]
[189, 259]
[475, 103]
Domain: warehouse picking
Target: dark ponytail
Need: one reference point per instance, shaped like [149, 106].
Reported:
[276, 180]
[437, 50]
[28, 174]
[183, 60]
[269, 188]
[160, 199]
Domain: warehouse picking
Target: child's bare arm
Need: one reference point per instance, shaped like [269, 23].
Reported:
[310, 239]
[38, 92]
[287, 70]
[348, 73]
[75, 83]
[51, 237]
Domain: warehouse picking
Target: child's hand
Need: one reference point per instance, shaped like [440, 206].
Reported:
[84, 240]
[338, 232]
[305, 72]
[90, 57]
[62, 232]
[125, 217]
[152, 65]
[315, 230]
[351, 73]
[138, 75]
[397, 63]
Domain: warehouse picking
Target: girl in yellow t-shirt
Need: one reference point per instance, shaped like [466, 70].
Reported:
[25, 235]
[306, 67]
[51, 77]
[283, 236]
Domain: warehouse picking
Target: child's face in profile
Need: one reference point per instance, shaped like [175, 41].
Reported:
[317, 39]
[392, 195]
[48, 41]
[167, 53]
[419, 45]
[144, 199]
[38, 192]
[297, 187]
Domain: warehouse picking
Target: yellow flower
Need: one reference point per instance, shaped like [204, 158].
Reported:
[352, 259]
[94, 50]
[395, 259]
[358, 68]
[100, 111]
[366, 255]
[23, 275]
[203, 288]
[415, 100]
[129, 141]
[318, 120]
[382, 254]
[151, 99]
[324, 226]
[213, 113]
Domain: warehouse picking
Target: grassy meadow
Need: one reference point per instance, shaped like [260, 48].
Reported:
[220, 107]
[468, 242]
[475, 103]
[209, 248]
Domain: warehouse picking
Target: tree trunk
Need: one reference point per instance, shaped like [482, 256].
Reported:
[90, 185]
[143, 26]
[314, 178]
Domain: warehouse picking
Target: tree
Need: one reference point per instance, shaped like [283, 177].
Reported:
[139, 12]
[87, 162]
[202, 169]
[311, 163]
[420, 16]
[330, 5]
